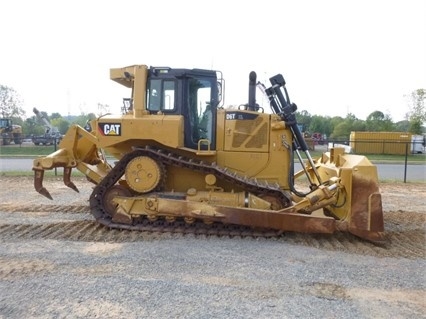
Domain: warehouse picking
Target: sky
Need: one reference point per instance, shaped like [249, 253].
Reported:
[337, 57]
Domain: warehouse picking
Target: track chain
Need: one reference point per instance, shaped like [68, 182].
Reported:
[170, 159]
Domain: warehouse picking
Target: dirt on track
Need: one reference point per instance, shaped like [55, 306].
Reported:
[24, 214]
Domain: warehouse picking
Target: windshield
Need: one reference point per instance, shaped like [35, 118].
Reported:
[4, 122]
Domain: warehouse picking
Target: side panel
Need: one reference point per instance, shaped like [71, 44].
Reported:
[118, 135]
[254, 145]
[244, 163]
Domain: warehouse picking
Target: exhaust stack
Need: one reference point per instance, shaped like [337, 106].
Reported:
[252, 106]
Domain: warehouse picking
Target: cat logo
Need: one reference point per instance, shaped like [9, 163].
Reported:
[110, 129]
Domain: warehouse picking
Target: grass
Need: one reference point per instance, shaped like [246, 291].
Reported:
[24, 150]
[34, 151]
[47, 174]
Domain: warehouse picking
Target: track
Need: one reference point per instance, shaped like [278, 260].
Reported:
[98, 204]
[405, 235]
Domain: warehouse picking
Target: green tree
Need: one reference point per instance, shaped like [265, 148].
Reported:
[388, 124]
[82, 119]
[303, 118]
[402, 126]
[417, 111]
[17, 120]
[342, 130]
[32, 127]
[55, 115]
[10, 103]
[415, 127]
[62, 124]
[377, 121]
[322, 124]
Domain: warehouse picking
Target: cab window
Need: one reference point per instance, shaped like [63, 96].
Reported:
[161, 95]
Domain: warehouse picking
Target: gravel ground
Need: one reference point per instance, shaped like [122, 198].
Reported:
[193, 278]
[175, 276]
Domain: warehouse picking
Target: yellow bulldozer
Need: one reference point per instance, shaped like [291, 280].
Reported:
[183, 161]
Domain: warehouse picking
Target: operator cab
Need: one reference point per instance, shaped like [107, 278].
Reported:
[5, 123]
[193, 93]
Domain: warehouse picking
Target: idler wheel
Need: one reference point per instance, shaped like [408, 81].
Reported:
[110, 194]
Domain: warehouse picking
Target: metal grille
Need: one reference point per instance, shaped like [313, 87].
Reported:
[244, 133]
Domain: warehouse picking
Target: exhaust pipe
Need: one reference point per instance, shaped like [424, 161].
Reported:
[252, 106]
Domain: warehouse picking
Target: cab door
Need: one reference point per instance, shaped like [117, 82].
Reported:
[200, 113]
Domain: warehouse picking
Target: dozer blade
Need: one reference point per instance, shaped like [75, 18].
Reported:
[366, 218]
[364, 224]
[359, 208]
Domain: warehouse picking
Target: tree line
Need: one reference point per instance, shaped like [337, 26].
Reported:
[338, 128]
[335, 128]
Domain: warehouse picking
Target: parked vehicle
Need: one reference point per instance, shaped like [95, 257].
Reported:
[51, 134]
[9, 132]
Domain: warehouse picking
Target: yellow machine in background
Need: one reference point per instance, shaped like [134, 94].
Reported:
[10, 132]
[182, 156]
